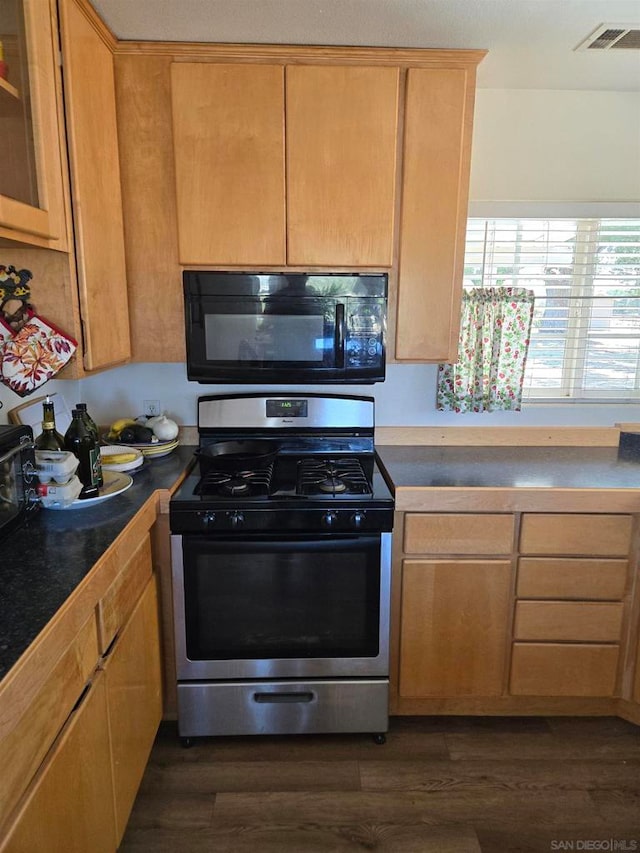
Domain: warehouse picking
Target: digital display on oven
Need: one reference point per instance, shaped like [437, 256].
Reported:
[287, 408]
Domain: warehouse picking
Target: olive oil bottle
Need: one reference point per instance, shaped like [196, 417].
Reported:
[80, 440]
[49, 438]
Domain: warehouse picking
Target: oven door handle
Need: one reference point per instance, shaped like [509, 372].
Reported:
[339, 335]
[279, 698]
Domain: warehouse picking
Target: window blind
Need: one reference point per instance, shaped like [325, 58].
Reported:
[585, 274]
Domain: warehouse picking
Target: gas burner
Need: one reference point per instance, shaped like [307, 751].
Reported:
[332, 484]
[332, 477]
[232, 484]
[236, 486]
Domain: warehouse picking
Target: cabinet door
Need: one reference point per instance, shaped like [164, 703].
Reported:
[454, 632]
[31, 178]
[228, 125]
[70, 803]
[341, 164]
[437, 142]
[135, 701]
[89, 87]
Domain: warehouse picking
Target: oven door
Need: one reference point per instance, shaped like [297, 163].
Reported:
[281, 608]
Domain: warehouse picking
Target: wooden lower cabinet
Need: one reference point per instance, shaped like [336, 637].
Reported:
[134, 693]
[569, 669]
[69, 805]
[454, 627]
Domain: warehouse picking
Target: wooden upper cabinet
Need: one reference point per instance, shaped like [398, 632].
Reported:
[90, 102]
[228, 126]
[32, 205]
[342, 125]
[437, 148]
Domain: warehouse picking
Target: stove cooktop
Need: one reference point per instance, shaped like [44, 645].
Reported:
[289, 493]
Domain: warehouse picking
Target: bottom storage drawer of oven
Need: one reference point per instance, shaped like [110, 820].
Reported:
[282, 708]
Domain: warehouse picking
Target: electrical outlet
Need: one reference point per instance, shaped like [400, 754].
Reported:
[151, 408]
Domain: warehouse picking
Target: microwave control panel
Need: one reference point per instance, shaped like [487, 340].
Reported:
[365, 335]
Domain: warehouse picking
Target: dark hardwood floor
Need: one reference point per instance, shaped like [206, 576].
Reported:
[439, 785]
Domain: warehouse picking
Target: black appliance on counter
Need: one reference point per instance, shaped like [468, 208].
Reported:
[285, 328]
[18, 477]
[281, 564]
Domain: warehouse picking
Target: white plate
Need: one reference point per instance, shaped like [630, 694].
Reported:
[150, 449]
[112, 450]
[115, 482]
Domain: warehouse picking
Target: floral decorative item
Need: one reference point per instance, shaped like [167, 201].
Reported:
[492, 352]
[32, 350]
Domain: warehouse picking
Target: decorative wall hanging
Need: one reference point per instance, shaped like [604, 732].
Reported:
[32, 350]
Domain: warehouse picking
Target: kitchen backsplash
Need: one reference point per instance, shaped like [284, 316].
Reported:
[406, 398]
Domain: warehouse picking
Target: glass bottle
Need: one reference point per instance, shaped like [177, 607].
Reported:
[49, 438]
[82, 443]
[91, 426]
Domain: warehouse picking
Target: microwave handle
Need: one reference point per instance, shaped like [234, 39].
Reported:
[15, 450]
[339, 335]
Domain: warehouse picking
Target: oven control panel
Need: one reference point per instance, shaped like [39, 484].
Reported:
[316, 520]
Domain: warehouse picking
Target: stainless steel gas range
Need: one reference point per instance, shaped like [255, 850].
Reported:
[281, 562]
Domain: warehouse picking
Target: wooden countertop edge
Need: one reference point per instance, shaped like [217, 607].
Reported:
[514, 499]
[503, 436]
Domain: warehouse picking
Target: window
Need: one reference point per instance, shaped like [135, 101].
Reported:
[585, 273]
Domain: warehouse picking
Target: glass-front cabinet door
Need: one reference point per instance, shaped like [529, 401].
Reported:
[31, 178]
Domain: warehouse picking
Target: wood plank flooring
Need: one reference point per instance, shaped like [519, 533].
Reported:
[439, 785]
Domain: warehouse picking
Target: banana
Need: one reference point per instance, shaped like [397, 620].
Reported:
[118, 458]
[117, 426]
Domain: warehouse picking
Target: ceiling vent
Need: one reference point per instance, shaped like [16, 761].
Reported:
[612, 37]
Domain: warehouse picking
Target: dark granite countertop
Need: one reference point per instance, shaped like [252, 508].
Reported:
[508, 467]
[43, 562]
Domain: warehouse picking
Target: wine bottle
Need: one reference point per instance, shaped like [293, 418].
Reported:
[91, 426]
[49, 438]
[82, 443]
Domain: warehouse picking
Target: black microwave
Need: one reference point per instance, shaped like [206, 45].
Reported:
[18, 477]
[285, 328]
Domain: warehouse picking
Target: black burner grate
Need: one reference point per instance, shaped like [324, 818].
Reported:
[329, 477]
[236, 484]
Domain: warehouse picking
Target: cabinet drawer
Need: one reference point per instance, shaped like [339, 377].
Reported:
[458, 533]
[591, 535]
[123, 593]
[583, 579]
[546, 669]
[576, 621]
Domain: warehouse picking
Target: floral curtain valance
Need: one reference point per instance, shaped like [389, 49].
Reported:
[492, 352]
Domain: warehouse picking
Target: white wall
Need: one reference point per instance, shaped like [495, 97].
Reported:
[536, 153]
[556, 146]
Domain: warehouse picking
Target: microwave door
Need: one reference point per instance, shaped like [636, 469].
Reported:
[273, 334]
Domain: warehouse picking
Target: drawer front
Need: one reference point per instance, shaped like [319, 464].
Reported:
[458, 533]
[547, 669]
[575, 621]
[124, 592]
[572, 577]
[591, 535]
[28, 732]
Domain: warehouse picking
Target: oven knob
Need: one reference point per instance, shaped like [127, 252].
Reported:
[207, 517]
[329, 519]
[236, 519]
[358, 518]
